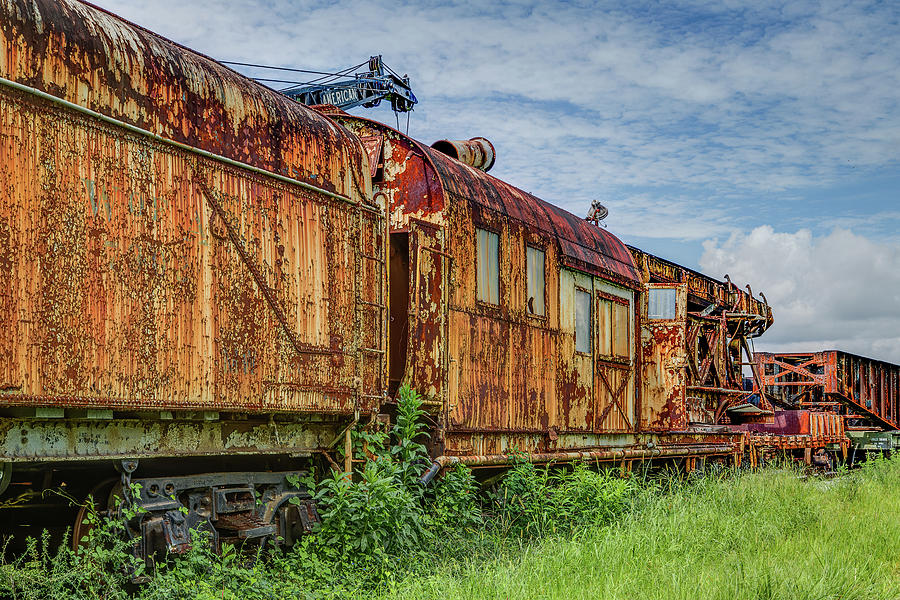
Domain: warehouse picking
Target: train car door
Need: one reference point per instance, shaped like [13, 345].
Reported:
[614, 359]
[664, 357]
[426, 366]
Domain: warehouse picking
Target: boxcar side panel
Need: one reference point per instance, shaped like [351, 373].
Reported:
[126, 285]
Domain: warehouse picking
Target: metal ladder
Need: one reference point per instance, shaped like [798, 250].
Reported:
[366, 306]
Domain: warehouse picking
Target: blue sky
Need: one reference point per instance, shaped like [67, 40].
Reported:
[754, 138]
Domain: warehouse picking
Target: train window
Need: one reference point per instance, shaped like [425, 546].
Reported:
[487, 266]
[661, 304]
[605, 327]
[582, 321]
[621, 330]
[534, 277]
[614, 327]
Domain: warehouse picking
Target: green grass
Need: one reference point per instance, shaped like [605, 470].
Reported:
[771, 534]
[758, 535]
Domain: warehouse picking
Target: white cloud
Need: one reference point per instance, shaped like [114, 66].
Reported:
[756, 97]
[838, 291]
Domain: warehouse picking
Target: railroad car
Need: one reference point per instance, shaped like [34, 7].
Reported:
[864, 392]
[531, 329]
[190, 273]
[710, 343]
[709, 338]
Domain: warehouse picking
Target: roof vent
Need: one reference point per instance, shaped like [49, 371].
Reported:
[477, 152]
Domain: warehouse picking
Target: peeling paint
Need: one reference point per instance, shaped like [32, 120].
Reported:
[127, 286]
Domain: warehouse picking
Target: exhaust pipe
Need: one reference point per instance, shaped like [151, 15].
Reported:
[477, 152]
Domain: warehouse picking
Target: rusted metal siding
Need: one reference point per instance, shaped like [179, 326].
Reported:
[663, 360]
[502, 358]
[140, 274]
[25, 440]
[402, 173]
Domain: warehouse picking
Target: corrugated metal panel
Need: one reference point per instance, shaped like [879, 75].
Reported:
[479, 345]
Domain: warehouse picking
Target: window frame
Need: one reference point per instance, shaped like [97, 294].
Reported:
[541, 316]
[478, 300]
[622, 303]
[674, 306]
[590, 320]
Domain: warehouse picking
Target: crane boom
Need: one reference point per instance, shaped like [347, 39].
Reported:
[367, 89]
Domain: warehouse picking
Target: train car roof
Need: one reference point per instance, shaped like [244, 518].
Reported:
[90, 57]
[584, 246]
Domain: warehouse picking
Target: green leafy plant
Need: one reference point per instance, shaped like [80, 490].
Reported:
[453, 507]
[101, 566]
[411, 455]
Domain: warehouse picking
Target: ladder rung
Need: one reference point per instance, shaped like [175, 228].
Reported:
[375, 304]
[372, 350]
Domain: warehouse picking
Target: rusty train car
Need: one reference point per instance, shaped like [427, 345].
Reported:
[863, 392]
[707, 334]
[530, 329]
[204, 286]
[191, 268]
[709, 340]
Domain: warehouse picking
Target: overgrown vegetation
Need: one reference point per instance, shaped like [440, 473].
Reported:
[537, 533]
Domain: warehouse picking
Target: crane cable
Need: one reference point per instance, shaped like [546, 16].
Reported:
[293, 70]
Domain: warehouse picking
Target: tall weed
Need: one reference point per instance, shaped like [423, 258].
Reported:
[533, 501]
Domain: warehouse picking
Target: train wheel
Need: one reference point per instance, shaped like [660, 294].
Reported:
[97, 501]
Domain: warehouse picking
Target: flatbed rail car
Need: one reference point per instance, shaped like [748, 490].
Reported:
[864, 391]
[191, 267]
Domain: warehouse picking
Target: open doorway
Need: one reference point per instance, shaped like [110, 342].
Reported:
[399, 291]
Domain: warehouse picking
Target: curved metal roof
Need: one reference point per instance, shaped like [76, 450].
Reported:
[584, 246]
[90, 57]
